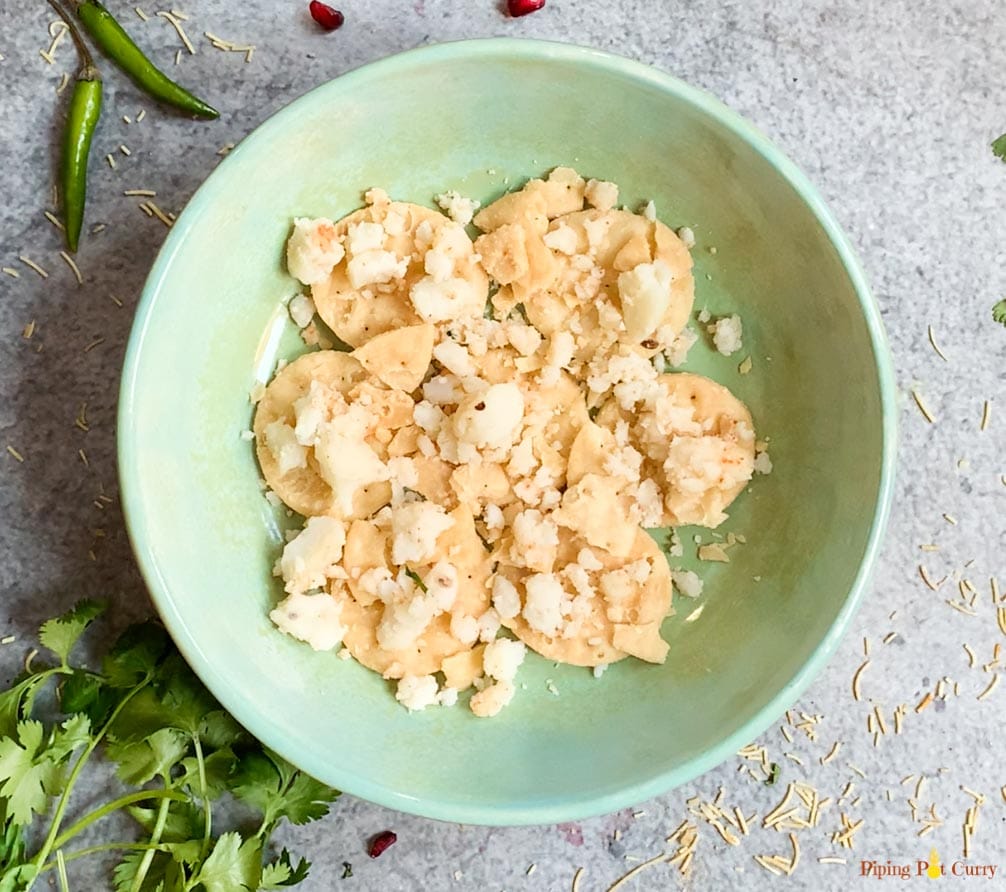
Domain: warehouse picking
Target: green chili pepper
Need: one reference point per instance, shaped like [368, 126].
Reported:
[110, 36]
[85, 109]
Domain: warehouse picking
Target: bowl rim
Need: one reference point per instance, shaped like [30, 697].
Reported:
[244, 707]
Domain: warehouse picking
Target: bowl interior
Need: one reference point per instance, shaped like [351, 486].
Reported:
[479, 117]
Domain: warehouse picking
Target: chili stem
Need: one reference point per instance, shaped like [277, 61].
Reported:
[88, 70]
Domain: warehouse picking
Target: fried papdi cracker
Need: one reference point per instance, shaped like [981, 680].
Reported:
[303, 489]
[367, 547]
[698, 444]
[633, 621]
[356, 318]
[399, 358]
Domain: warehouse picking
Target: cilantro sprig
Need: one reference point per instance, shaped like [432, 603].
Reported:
[170, 741]
[999, 147]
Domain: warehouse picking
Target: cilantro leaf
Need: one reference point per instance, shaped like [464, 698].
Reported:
[16, 703]
[79, 692]
[12, 846]
[218, 768]
[219, 729]
[307, 799]
[232, 866]
[154, 756]
[29, 776]
[184, 822]
[62, 633]
[164, 873]
[999, 147]
[999, 310]
[281, 873]
[184, 696]
[73, 734]
[142, 716]
[18, 879]
[136, 655]
[278, 790]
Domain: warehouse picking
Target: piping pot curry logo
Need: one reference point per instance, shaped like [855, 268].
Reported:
[930, 867]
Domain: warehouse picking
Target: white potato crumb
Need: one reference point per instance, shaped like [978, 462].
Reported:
[314, 619]
[502, 658]
[416, 692]
[543, 604]
[726, 333]
[281, 439]
[505, 598]
[491, 699]
[599, 669]
[301, 309]
[601, 194]
[687, 583]
[415, 528]
[313, 250]
[308, 559]
[458, 208]
[650, 210]
[762, 463]
[645, 294]
[687, 236]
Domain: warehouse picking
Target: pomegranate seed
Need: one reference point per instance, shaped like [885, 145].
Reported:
[517, 8]
[380, 843]
[328, 18]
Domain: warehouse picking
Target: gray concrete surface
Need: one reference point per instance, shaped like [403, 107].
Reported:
[889, 107]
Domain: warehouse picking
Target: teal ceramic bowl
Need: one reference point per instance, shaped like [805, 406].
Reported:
[477, 116]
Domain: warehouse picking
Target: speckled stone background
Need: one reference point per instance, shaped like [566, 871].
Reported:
[889, 107]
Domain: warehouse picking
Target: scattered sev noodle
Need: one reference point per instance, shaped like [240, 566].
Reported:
[639, 868]
[835, 747]
[949, 518]
[935, 586]
[576, 879]
[10, 271]
[969, 827]
[69, 261]
[922, 407]
[844, 836]
[856, 695]
[52, 218]
[111, 161]
[32, 265]
[932, 341]
[971, 656]
[924, 702]
[991, 687]
[143, 193]
[142, 15]
[986, 412]
[229, 47]
[58, 29]
[17, 456]
[81, 420]
[176, 23]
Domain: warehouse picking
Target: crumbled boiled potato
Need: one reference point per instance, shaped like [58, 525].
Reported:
[464, 472]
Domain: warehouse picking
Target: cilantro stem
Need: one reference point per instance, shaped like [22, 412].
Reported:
[204, 794]
[113, 806]
[78, 767]
[155, 838]
[104, 847]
